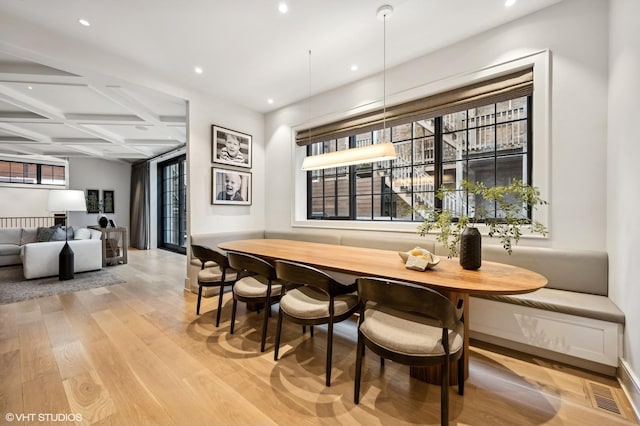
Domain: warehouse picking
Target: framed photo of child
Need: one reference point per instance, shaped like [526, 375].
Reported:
[230, 187]
[230, 147]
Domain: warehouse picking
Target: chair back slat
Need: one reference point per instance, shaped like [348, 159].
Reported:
[251, 264]
[296, 273]
[409, 298]
[206, 254]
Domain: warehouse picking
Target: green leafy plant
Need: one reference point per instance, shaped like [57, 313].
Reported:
[502, 208]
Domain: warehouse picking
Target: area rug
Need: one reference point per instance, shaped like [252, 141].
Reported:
[14, 288]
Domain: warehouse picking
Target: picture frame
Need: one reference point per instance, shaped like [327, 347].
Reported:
[231, 187]
[108, 201]
[230, 147]
[93, 201]
[112, 223]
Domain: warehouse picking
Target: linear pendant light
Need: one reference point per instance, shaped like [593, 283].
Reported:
[366, 154]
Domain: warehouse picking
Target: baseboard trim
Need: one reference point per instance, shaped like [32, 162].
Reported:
[630, 385]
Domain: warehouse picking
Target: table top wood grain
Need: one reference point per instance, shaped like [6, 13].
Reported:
[448, 275]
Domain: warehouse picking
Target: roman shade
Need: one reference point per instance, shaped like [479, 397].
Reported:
[497, 89]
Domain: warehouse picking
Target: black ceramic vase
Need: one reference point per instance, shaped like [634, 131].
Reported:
[103, 221]
[470, 248]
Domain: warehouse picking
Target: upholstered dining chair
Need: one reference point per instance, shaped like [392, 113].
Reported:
[411, 325]
[256, 283]
[316, 299]
[215, 272]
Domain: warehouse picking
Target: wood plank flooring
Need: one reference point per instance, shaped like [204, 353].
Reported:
[136, 353]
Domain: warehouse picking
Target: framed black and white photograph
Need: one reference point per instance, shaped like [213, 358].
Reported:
[230, 147]
[107, 202]
[93, 201]
[230, 187]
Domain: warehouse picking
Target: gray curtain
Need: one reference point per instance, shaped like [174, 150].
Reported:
[140, 208]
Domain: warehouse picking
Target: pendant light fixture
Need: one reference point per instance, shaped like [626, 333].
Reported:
[367, 154]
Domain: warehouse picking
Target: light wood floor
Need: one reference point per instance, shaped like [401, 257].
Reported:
[136, 353]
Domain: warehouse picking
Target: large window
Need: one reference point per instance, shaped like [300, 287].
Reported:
[489, 143]
[31, 173]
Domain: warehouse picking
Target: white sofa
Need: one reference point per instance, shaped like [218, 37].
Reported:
[41, 259]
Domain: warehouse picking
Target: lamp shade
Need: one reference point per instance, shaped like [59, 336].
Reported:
[350, 157]
[62, 200]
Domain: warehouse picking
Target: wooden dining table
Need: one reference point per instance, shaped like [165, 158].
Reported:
[447, 277]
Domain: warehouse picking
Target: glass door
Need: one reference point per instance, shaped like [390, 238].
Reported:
[172, 206]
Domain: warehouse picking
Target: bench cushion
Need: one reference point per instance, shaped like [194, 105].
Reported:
[576, 270]
[567, 302]
[388, 241]
[326, 238]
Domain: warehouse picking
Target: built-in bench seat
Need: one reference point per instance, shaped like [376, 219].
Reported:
[571, 320]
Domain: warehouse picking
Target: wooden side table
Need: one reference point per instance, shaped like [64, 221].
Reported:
[114, 245]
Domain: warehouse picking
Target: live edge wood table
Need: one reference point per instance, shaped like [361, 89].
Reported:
[447, 277]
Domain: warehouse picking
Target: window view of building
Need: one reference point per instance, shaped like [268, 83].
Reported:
[489, 144]
[31, 173]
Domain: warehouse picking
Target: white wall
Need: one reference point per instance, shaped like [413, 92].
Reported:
[92, 173]
[575, 32]
[624, 174]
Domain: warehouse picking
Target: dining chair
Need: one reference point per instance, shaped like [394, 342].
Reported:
[256, 283]
[411, 325]
[214, 272]
[317, 298]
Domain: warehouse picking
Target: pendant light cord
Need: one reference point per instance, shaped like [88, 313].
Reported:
[384, 77]
[309, 98]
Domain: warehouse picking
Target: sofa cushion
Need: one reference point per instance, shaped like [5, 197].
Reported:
[29, 235]
[10, 236]
[9, 249]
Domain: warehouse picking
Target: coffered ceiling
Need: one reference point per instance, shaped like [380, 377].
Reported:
[249, 52]
[47, 111]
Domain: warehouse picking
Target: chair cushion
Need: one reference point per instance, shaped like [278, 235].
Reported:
[256, 286]
[310, 303]
[214, 274]
[408, 334]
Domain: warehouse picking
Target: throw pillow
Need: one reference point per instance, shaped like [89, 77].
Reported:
[58, 234]
[29, 235]
[82, 234]
[44, 234]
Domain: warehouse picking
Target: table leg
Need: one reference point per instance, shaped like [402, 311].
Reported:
[433, 374]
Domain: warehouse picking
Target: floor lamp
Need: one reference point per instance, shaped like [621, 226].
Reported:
[66, 200]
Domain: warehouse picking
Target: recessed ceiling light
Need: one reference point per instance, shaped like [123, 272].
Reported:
[269, 101]
[509, 3]
[84, 22]
[283, 8]
[30, 87]
[354, 67]
[198, 70]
